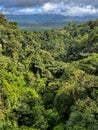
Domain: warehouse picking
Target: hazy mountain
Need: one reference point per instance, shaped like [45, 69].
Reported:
[44, 21]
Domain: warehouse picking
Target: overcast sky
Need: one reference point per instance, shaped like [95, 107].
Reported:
[64, 7]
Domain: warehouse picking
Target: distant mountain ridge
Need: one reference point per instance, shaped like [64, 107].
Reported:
[45, 20]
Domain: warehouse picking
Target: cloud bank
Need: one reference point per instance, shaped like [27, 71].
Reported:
[63, 7]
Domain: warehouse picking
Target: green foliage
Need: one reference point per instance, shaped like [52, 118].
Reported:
[2, 19]
[59, 127]
[49, 80]
[83, 115]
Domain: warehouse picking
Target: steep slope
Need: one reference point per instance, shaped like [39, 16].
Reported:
[49, 80]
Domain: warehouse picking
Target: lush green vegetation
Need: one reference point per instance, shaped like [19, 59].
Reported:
[49, 80]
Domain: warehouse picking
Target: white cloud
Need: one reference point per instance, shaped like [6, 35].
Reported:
[79, 10]
[25, 11]
[54, 8]
[4, 11]
[49, 7]
[70, 9]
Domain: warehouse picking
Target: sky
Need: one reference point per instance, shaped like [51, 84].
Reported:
[63, 7]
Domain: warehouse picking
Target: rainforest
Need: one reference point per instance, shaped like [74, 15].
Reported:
[49, 80]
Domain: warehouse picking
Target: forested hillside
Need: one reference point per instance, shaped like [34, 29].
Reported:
[49, 80]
